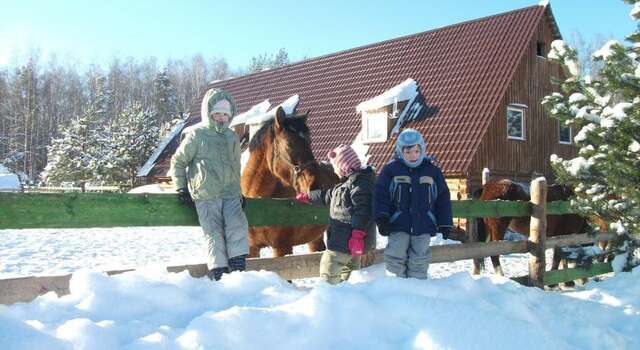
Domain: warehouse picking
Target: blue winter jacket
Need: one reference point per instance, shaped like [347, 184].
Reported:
[415, 200]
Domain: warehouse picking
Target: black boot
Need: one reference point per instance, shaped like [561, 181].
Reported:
[238, 263]
[216, 273]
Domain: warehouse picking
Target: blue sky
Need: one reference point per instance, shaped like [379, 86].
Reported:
[95, 31]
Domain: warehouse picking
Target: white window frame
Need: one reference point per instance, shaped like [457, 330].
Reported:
[559, 133]
[381, 122]
[524, 125]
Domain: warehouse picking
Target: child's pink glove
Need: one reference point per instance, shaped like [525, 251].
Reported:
[303, 198]
[356, 242]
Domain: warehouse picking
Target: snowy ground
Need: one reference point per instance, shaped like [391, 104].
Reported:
[152, 309]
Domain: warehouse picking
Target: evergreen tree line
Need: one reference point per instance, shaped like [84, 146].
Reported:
[42, 103]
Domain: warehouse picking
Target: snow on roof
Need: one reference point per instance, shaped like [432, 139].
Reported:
[544, 3]
[144, 170]
[404, 91]
[289, 105]
[259, 109]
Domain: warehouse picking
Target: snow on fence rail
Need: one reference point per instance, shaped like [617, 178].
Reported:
[63, 189]
[82, 210]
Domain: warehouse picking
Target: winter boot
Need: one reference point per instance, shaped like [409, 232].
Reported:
[216, 273]
[238, 263]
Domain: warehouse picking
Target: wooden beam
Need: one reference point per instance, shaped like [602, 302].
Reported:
[497, 208]
[559, 208]
[538, 232]
[83, 210]
[559, 276]
[585, 238]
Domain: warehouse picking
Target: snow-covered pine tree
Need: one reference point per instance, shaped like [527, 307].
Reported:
[605, 110]
[164, 97]
[133, 138]
[74, 155]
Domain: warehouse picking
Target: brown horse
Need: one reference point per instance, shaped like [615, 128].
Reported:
[281, 163]
[493, 229]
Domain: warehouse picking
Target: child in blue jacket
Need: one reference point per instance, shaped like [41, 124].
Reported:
[411, 204]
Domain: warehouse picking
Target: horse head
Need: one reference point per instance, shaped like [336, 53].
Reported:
[289, 154]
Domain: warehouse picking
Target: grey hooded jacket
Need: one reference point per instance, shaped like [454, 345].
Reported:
[208, 158]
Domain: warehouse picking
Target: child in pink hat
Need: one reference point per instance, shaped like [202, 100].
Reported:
[351, 226]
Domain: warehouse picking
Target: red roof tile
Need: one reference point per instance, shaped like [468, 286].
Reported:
[462, 71]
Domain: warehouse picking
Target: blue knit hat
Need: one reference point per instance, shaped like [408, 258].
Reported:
[410, 137]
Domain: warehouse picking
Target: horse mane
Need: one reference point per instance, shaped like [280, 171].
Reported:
[258, 138]
[295, 122]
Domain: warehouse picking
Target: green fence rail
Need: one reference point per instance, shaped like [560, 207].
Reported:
[81, 210]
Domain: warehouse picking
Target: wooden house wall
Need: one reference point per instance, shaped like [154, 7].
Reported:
[522, 159]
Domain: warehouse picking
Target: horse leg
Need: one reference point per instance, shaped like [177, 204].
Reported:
[495, 232]
[254, 251]
[497, 268]
[555, 262]
[317, 245]
[282, 251]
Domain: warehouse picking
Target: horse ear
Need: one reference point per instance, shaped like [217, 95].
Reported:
[280, 116]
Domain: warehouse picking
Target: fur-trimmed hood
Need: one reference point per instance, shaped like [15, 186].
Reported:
[211, 98]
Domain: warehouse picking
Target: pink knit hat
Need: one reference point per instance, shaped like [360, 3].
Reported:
[344, 159]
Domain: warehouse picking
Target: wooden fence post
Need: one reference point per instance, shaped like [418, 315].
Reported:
[538, 232]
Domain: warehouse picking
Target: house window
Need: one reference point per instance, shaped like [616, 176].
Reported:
[541, 49]
[374, 127]
[515, 123]
[564, 133]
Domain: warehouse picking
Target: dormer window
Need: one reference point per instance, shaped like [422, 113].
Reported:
[515, 122]
[387, 111]
[541, 49]
[375, 127]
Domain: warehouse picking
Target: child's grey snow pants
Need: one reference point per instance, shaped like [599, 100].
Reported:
[225, 229]
[407, 255]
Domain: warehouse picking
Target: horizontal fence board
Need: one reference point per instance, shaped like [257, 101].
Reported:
[474, 208]
[577, 239]
[83, 210]
[565, 275]
[559, 208]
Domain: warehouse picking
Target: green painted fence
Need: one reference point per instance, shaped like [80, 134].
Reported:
[80, 210]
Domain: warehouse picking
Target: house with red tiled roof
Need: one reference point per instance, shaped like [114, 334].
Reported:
[473, 89]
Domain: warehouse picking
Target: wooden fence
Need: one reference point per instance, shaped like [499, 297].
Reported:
[83, 210]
